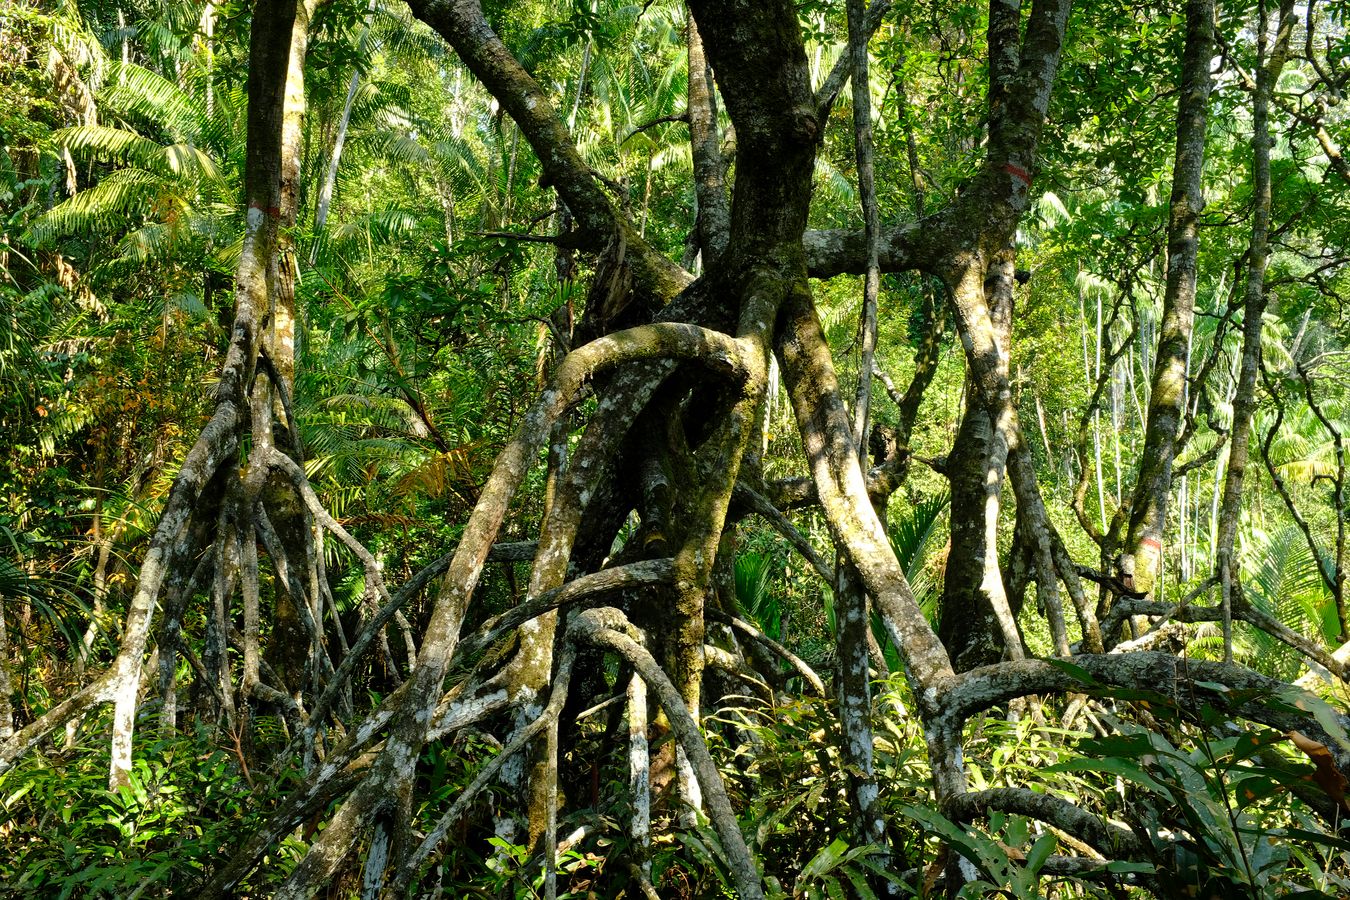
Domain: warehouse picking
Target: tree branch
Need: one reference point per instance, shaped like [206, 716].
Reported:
[1109, 840]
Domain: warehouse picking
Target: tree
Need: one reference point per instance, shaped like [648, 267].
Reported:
[652, 424]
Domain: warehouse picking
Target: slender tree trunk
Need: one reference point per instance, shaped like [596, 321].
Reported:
[1097, 425]
[270, 54]
[1148, 509]
[334, 158]
[639, 773]
[280, 343]
[1254, 306]
[6, 680]
[103, 543]
[713, 219]
[339, 141]
[853, 621]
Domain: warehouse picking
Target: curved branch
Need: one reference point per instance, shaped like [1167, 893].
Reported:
[1242, 610]
[760, 505]
[609, 628]
[409, 867]
[28, 737]
[840, 251]
[626, 577]
[462, 24]
[659, 120]
[769, 643]
[1241, 691]
[1110, 840]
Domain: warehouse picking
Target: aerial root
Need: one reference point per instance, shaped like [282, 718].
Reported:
[233, 563]
[521, 739]
[1124, 608]
[609, 628]
[798, 664]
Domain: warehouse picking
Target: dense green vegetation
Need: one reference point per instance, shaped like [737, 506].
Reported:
[1163, 614]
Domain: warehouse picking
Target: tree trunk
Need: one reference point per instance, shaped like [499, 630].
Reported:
[712, 223]
[1153, 486]
[269, 59]
[1254, 307]
[978, 623]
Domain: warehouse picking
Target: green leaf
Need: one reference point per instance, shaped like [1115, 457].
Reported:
[1040, 852]
[1078, 673]
[859, 882]
[1322, 711]
[984, 853]
[1112, 766]
[1314, 837]
[1125, 867]
[826, 859]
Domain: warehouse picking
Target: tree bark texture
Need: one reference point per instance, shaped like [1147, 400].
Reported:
[1254, 306]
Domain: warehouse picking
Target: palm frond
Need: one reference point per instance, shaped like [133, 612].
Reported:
[752, 571]
[122, 195]
[151, 97]
[836, 183]
[1280, 576]
[396, 147]
[913, 536]
[128, 148]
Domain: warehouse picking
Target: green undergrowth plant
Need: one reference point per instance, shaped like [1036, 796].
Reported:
[783, 768]
[1004, 855]
[1220, 810]
[1016, 751]
[1001, 868]
[187, 801]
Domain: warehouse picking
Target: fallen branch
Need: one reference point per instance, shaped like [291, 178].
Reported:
[1188, 683]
